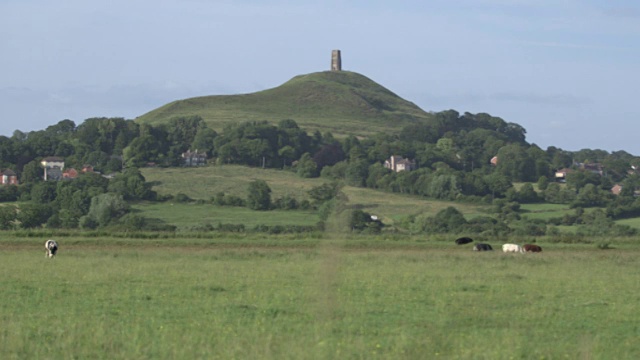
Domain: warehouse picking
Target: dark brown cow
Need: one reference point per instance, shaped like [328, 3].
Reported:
[532, 248]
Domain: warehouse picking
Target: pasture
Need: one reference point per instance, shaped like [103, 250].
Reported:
[330, 298]
[203, 183]
[190, 216]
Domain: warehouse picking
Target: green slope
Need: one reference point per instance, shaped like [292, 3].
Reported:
[204, 182]
[341, 102]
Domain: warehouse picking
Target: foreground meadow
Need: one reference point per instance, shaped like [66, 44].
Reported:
[315, 299]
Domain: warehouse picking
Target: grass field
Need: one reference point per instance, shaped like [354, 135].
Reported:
[189, 216]
[332, 298]
[545, 211]
[204, 182]
[633, 222]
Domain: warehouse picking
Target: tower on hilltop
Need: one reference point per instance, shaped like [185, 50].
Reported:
[336, 61]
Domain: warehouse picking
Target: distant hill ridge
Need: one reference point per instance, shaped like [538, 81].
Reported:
[342, 102]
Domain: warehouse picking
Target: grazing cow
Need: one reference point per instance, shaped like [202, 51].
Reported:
[52, 248]
[482, 247]
[463, 240]
[532, 248]
[512, 248]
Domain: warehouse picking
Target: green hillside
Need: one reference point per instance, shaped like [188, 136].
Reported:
[204, 182]
[342, 102]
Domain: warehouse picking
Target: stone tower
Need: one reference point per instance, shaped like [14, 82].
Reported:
[336, 61]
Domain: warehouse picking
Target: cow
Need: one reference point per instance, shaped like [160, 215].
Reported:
[512, 248]
[482, 247]
[52, 248]
[463, 240]
[532, 248]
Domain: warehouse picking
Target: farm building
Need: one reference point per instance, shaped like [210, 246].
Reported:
[8, 177]
[398, 163]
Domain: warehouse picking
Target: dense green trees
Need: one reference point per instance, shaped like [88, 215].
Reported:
[8, 215]
[452, 152]
[364, 222]
[306, 167]
[105, 209]
[464, 142]
[262, 144]
[33, 215]
[131, 185]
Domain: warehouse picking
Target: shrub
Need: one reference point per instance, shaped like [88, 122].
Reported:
[259, 197]
[133, 222]
[286, 202]
[182, 198]
[231, 227]
[232, 200]
[8, 215]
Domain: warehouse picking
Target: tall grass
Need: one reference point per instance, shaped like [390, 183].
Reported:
[329, 300]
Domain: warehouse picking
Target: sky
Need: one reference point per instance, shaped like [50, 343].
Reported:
[566, 70]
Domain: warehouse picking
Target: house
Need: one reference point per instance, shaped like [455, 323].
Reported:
[70, 173]
[595, 168]
[616, 189]
[53, 167]
[398, 163]
[494, 161]
[87, 168]
[8, 177]
[561, 175]
[194, 158]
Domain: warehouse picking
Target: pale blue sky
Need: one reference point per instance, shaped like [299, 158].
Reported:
[566, 70]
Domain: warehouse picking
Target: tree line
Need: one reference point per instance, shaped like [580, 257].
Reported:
[452, 152]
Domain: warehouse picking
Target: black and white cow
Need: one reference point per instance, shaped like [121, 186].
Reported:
[482, 247]
[52, 248]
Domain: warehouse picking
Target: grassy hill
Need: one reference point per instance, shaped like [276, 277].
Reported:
[341, 102]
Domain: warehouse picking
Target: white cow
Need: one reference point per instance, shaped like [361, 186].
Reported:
[52, 248]
[512, 248]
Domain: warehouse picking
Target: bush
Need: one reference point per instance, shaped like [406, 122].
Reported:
[363, 221]
[34, 215]
[133, 222]
[8, 215]
[87, 222]
[9, 193]
[284, 229]
[182, 198]
[54, 222]
[231, 227]
[305, 205]
[286, 202]
[232, 200]
[259, 197]
[106, 208]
